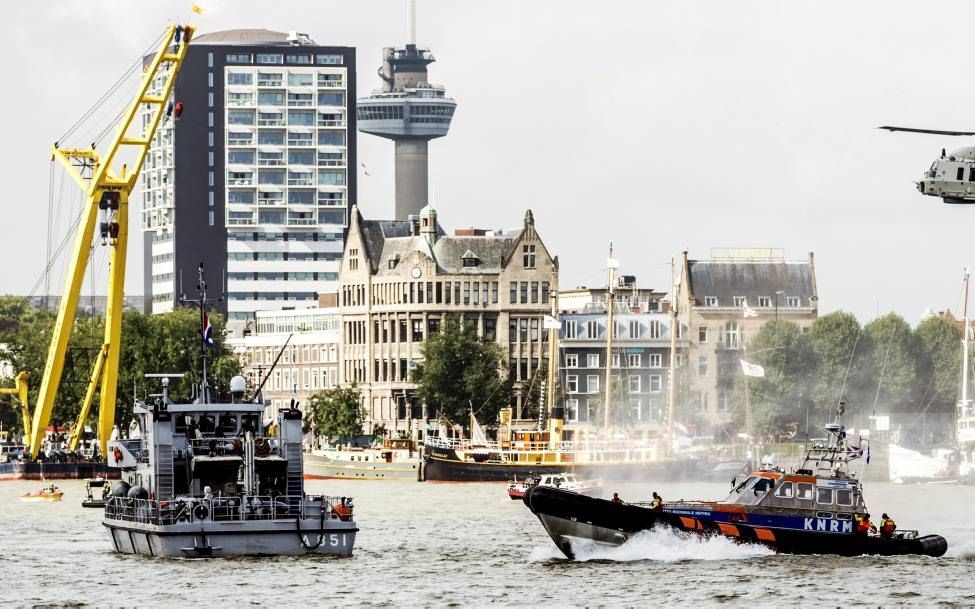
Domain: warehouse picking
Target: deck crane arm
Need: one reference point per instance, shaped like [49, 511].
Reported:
[20, 390]
[107, 183]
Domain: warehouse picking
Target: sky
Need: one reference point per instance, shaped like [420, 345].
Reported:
[659, 126]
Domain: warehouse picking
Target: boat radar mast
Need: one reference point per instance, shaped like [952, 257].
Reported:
[206, 331]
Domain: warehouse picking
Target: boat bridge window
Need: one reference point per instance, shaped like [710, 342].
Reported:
[844, 497]
[960, 174]
[763, 485]
[228, 424]
[248, 422]
[824, 496]
[804, 491]
[208, 423]
[181, 423]
[784, 491]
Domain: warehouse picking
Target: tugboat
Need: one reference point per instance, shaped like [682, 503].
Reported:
[809, 511]
[204, 479]
[569, 482]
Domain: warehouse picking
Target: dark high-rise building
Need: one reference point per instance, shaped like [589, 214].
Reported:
[253, 173]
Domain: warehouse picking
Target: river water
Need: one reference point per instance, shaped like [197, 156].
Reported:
[437, 544]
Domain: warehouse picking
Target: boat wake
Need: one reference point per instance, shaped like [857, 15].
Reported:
[659, 545]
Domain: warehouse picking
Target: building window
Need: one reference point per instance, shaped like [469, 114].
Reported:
[210, 178]
[210, 158]
[328, 60]
[656, 383]
[793, 301]
[572, 360]
[238, 58]
[592, 383]
[534, 292]
[592, 329]
[592, 360]
[211, 218]
[545, 289]
[572, 410]
[616, 360]
[572, 383]
[731, 335]
[210, 65]
[633, 383]
[710, 301]
[524, 292]
[765, 301]
[494, 292]
[656, 360]
[210, 77]
[633, 360]
[702, 365]
[702, 335]
[654, 328]
[210, 197]
[417, 330]
[570, 329]
[634, 329]
[210, 139]
[636, 406]
[513, 292]
[210, 99]
[270, 58]
[528, 256]
[739, 301]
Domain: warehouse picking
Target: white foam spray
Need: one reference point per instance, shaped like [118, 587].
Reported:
[659, 544]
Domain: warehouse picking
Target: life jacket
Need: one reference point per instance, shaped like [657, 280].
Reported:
[888, 526]
[657, 504]
[862, 524]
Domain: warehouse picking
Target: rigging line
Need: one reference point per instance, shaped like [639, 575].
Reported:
[848, 365]
[50, 220]
[880, 381]
[139, 62]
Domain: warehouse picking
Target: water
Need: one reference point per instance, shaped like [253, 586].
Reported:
[469, 545]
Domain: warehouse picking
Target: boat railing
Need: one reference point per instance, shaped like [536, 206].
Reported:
[575, 446]
[213, 446]
[227, 509]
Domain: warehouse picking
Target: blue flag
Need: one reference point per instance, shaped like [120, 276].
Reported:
[207, 331]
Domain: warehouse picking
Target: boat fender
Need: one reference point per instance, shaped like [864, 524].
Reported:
[120, 488]
[201, 511]
[933, 545]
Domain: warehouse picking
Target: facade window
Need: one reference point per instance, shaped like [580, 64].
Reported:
[545, 290]
[238, 58]
[240, 78]
[592, 383]
[299, 59]
[656, 383]
[731, 335]
[592, 329]
[710, 301]
[572, 383]
[417, 330]
[702, 335]
[592, 360]
[636, 407]
[210, 99]
[328, 60]
[524, 292]
[534, 292]
[616, 360]
[210, 158]
[654, 328]
[523, 330]
[633, 383]
[634, 329]
[656, 360]
[528, 256]
[270, 58]
[572, 360]
[211, 217]
[513, 292]
[702, 365]
[572, 410]
[739, 301]
[571, 329]
[765, 301]
[793, 301]
[633, 360]
[494, 292]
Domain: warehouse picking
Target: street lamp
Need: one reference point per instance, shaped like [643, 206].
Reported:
[777, 292]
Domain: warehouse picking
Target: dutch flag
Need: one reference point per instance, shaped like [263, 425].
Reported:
[207, 331]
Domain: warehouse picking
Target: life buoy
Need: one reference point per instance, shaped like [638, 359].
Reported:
[117, 453]
[201, 511]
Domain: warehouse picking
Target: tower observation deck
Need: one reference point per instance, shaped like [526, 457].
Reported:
[411, 112]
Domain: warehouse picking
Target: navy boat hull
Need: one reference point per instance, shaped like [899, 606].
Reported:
[568, 516]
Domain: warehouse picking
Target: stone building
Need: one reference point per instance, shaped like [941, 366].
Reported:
[398, 281]
[723, 302]
[309, 362]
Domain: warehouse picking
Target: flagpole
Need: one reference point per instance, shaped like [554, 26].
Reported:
[609, 340]
[673, 359]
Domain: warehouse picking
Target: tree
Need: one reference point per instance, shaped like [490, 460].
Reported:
[336, 412]
[833, 338]
[786, 354]
[890, 377]
[533, 392]
[939, 368]
[460, 369]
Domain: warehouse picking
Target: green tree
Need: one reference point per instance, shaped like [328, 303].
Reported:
[939, 368]
[532, 395]
[336, 412]
[833, 338]
[460, 368]
[890, 363]
[786, 354]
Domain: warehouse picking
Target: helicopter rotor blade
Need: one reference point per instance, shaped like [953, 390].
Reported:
[931, 131]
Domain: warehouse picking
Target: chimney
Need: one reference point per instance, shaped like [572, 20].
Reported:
[414, 221]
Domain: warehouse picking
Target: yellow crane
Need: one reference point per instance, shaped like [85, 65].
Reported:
[20, 390]
[107, 182]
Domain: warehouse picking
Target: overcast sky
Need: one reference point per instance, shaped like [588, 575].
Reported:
[661, 126]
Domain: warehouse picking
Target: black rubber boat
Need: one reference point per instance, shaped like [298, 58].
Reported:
[813, 510]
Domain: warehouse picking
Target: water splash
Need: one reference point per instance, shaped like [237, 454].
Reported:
[661, 545]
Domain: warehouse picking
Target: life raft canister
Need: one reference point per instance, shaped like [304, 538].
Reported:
[117, 453]
[341, 511]
[201, 511]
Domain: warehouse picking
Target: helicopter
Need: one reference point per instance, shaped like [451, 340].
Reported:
[952, 176]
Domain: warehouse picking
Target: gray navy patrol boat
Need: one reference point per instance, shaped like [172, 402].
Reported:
[213, 479]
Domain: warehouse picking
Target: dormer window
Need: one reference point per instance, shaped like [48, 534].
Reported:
[710, 301]
[470, 260]
[393, 261]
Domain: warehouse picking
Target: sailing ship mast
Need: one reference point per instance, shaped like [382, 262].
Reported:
[964, 403]
[611, 265]
[673, 359]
